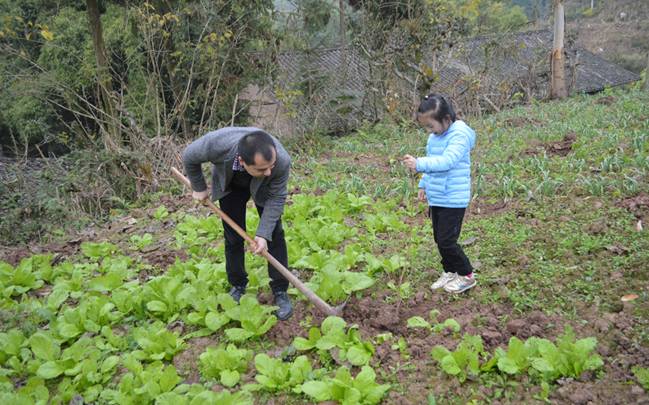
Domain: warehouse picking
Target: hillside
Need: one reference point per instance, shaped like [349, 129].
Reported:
[615, 30]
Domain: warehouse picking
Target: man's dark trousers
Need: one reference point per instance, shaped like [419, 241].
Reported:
[234, 205]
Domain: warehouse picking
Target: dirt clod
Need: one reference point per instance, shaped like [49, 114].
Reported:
[515, 326]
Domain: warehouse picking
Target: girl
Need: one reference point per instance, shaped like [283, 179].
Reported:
[446, 183]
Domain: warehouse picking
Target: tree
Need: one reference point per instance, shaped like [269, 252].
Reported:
[107, 118]
[558, 87]
[341, 11]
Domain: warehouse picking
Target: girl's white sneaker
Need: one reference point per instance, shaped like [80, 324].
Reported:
[460, 284]
[444, 279]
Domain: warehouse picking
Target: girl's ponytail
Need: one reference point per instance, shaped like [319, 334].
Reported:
[438, 105]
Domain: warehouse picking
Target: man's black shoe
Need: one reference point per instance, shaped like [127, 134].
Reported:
[284, 303]
[237, 291]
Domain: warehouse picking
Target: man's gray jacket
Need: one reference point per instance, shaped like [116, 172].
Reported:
[220, 148]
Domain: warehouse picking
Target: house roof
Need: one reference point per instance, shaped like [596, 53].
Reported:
[333, 80]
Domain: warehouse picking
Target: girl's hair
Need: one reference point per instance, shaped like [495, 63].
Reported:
[439, 106]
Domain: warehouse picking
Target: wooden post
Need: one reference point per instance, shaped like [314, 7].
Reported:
[558, 87]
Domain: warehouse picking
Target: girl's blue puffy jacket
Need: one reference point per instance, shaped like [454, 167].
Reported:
[447, 167]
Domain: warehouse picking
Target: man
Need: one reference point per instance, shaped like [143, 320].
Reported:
[246, 162]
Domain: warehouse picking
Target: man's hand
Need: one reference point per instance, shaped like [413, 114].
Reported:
[262, 244]
[421, 195]
[410, 162]
[200, 196]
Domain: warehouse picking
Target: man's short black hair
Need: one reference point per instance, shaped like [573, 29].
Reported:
[256, 142]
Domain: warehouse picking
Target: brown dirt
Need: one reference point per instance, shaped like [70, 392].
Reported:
[620, 354]
[481, 207]
[638, 206]
[112, 231]
[162, 259]
[377, 161]
[14, 255]
[283, 332]
[607, 100]
[173, 203]
[60, 251]
[561, 148]
[590, 392]
[598, 227]
[417, 220]
[496, 323]
[186, 362]
[375, 316]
